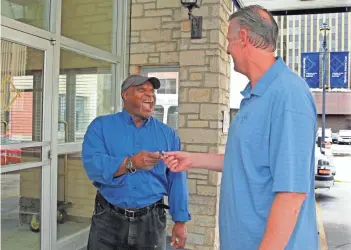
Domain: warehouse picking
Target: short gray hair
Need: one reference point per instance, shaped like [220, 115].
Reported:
[262, 28]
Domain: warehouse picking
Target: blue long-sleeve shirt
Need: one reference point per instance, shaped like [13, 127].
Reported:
[110, 139]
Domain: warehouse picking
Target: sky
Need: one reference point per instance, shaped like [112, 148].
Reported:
[237, 84]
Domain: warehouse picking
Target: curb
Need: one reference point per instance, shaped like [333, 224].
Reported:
[341, 181]
[322, 236]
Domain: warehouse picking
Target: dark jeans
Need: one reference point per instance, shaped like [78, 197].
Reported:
[113, 231]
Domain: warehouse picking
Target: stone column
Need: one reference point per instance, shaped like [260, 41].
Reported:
[160, 36]
[204, 95]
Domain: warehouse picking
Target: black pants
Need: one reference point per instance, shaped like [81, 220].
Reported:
[111, 230]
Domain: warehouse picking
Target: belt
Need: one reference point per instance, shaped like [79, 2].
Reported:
[130, 213]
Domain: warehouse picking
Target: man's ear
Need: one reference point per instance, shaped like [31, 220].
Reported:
[124, 95]
[244, 37]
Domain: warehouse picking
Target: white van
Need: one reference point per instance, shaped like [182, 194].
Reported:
[344, 137]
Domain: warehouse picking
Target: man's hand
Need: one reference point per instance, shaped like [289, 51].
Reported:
[177, 161]
[179, 235]
[145, 160]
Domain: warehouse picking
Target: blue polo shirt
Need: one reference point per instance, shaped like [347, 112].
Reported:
[110, 139]
[270, 149]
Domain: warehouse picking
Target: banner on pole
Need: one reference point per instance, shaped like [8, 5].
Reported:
[310, 68]
[339, 68]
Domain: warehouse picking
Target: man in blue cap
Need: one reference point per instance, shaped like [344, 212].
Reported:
[121, 155]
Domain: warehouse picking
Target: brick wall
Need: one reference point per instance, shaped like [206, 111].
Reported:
[21, 115]
[160, 36]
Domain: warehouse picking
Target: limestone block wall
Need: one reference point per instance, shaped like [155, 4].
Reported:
[160, 36]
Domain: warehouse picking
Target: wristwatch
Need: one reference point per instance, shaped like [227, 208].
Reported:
[129, 166]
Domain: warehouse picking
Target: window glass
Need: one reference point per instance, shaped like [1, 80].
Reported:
[85, 92]
[21, 209]
[172, 117]
[75, 196]
[35, 13]
[90, 22]
[158, 113]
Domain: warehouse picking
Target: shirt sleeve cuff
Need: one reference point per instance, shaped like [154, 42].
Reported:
[109, 172]
[181, 217]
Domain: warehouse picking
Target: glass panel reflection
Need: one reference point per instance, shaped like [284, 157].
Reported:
[85, 92]
[19, 155]
[22, 76]
[172, 118]
[20, 209]
[75, 194]
[90, 22]
[32, 12]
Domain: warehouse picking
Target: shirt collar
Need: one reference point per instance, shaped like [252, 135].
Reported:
[265, 81]
[129, 119]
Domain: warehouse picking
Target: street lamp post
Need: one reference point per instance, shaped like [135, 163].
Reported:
[324, 30]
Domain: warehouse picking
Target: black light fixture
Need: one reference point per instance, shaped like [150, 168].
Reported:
[196, 21]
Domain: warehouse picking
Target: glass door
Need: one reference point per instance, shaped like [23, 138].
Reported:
[26, 108]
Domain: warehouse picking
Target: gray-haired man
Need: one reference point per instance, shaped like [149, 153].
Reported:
[267, 190]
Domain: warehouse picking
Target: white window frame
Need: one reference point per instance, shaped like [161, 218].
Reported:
[118, 57]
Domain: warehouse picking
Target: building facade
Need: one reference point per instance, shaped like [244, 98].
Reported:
[301, 33]
[63, 62]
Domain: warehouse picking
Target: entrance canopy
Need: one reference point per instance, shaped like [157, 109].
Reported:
[298, 6]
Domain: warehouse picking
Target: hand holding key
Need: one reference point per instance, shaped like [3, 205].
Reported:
[177, 161]
[145, 160]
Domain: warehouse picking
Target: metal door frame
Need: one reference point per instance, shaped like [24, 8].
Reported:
[47, 46]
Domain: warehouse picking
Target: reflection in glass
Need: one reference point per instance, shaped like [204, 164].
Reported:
[21, 88]
[85, 92]
[19, 155]
[158, 112]
[90, 22]
[35, 13]
[168, 86]
[75, 194]
[172, 117]
[20, 209]
[166, 109]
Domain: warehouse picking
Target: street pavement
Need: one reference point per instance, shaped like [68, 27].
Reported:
[335, 206]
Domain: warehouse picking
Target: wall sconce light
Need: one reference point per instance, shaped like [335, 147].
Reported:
[196, 21]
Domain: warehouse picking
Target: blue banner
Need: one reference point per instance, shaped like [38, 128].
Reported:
[339, 67]
[310, 68]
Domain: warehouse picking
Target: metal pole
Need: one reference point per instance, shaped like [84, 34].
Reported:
[323, 101]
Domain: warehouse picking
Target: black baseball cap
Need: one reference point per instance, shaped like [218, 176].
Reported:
[137, 80]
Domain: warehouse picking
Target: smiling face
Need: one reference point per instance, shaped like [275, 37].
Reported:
[139, 101]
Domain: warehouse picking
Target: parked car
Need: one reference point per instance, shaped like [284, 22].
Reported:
[344, 137]
[335, 137]
[324, 177]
